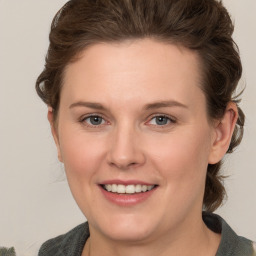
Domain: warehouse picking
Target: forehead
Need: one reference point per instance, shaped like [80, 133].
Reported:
[135, 53]
[132, 69]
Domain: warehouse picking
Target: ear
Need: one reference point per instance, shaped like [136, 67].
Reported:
[223, 131]
[54, 131]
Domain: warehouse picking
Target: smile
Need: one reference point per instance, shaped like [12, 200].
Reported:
[127, 189]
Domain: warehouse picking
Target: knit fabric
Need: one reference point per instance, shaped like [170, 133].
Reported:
[72, 243]
[7, 251]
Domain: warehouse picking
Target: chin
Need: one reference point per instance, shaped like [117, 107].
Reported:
[130, 234]
[127, 228]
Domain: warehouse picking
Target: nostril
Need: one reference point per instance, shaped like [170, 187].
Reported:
[123, 166]
[123, 156]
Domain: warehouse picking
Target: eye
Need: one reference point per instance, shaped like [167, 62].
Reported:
[161, 120]
[94, 120]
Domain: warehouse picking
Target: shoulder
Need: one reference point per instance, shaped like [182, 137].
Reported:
[7, 251]
[231, 243]
[71, 243]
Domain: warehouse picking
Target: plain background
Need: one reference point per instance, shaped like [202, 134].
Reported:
[35, 200]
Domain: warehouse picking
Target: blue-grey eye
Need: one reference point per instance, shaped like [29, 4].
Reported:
[94, 120]
[160, 120]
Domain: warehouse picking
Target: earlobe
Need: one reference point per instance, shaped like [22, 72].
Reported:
[223, 133]
[54, 131]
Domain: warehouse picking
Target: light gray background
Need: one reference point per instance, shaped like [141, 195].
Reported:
[35, 200]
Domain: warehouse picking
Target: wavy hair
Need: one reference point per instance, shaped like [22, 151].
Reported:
[203, 26]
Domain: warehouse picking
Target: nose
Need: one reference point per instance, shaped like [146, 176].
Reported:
[125, 150]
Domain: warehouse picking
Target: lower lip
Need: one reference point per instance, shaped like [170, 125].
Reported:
[127, 199]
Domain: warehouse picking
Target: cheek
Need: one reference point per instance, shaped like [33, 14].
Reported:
[182, 158]
[82, 154]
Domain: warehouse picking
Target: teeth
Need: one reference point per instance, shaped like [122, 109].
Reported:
[144, 188]
[109, 187]
[138, 188]
[120, 189]
[114, 188]
[129, 189]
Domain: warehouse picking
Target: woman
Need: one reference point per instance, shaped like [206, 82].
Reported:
[142, 109]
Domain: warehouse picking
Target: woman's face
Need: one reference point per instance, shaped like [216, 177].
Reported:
[132, 117]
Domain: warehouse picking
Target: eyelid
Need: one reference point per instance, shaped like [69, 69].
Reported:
[171, 118]
[84, 117]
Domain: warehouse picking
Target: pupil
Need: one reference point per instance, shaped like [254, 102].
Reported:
[95, 120]
[161, 120]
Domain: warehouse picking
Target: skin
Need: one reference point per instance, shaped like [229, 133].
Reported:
[129, 144]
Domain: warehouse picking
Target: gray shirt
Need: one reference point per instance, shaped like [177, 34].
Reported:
[72, 243]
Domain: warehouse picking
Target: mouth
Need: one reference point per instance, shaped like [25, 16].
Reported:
[127, 189]
[127, 193]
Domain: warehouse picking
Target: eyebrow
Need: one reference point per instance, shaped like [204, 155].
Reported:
[88, 105]
[154, 105]
[164, 104]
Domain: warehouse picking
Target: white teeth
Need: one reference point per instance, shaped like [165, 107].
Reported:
[120, 189]
[109, 187]
[144, 188]
[114, 188]
[129, 189]
[138, 188]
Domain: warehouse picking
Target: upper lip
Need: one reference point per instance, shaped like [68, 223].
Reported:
[126, 182]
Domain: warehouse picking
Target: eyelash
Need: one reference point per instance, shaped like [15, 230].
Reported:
[83, 120]
[170, 120]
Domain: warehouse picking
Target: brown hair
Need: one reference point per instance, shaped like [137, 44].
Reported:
[200, 25]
